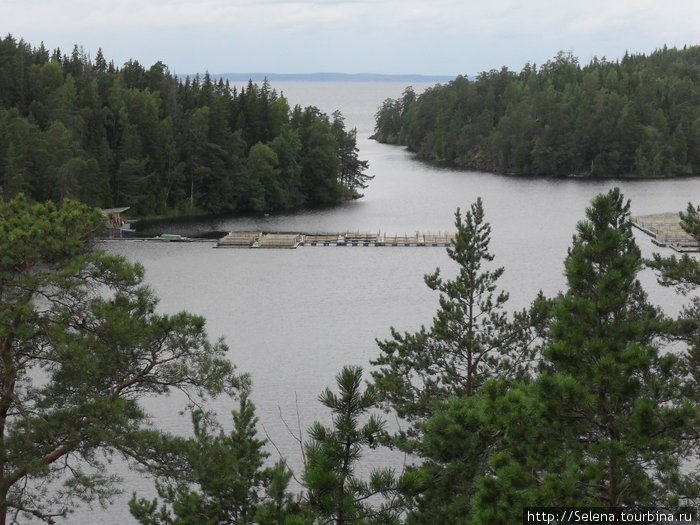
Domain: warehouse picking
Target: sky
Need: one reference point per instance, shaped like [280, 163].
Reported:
[431, 37]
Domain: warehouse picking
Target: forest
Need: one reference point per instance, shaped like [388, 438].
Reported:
[638, 116]
[82, 128]
[589, 398]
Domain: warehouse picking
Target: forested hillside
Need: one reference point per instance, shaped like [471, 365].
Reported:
[71, 126]
[639, 116]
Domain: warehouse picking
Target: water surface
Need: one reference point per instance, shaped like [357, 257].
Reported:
[293, 318]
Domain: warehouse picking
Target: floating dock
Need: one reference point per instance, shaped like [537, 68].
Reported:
[293, 240]
[665, 230]
[279, 240]
[239, 240]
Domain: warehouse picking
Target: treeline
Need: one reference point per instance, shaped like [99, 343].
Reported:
[587, 399]
[635, 117]
[73, 127]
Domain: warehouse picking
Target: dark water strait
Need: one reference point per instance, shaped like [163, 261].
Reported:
[293, 318]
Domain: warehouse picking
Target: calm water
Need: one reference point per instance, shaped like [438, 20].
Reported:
[294, 318]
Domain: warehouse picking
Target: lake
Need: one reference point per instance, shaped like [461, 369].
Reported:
[293, 318]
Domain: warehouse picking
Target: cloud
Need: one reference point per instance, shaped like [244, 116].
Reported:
[353, 35]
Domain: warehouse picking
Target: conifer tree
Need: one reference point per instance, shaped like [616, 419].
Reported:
[80, 346]
[336, 494]
[352, 170]
[600, 119]
[682, 273]
[472, 337]
[218, 478]
[141, 137]
[609, 421]
[605, 373]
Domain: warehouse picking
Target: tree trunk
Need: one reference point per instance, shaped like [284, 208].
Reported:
[3, 505]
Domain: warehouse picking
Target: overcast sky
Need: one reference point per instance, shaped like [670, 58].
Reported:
[352, 36]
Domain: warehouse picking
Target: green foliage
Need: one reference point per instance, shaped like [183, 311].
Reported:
[80, 345]
[684, 275]
[319, 162]
[630, 425]
[335, 493]
[219, 479]
[482, 459]
[472, 337]
[610, 420]
[472, 340]
[71, 128]
[632, 117]
[352, 174]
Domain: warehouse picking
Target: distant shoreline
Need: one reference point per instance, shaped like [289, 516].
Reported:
[325, 77]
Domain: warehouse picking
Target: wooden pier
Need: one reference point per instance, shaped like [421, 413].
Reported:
[279, 240]
[239, 240]
[665, 230]
[293, 240]
[259, 240]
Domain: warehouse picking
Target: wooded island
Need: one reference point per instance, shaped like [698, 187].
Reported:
[74, 127]
[635, 117]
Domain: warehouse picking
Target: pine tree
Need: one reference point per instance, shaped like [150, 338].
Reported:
[473, 340]
[682, 273]
[80, 346]
[472, 337]
[608, 422]
[218, 478]
[605, 372]
[335, 493]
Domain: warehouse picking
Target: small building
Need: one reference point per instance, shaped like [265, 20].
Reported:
[117, 225]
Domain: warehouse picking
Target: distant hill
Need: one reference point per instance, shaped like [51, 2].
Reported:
[328, 77]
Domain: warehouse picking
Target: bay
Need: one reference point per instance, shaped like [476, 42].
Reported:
[293, 318]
